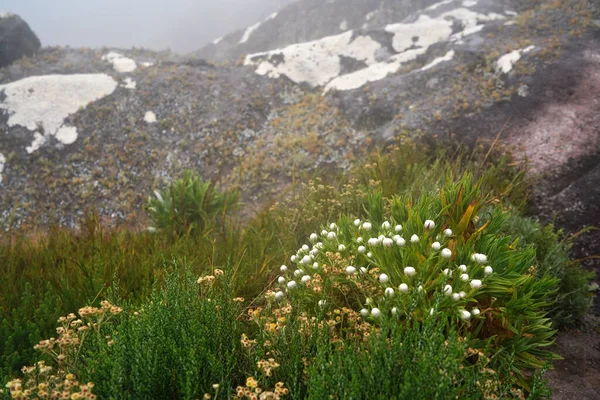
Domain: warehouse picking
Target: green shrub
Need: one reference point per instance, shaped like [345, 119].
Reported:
[573, 298]
[189, 206]
[420, 257]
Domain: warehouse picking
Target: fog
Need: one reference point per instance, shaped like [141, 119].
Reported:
[181, 25]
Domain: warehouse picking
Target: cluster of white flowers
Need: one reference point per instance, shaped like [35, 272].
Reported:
[460, 286]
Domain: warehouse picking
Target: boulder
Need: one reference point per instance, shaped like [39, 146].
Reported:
[16, 39]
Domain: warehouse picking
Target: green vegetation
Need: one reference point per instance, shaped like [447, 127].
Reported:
[165, 332]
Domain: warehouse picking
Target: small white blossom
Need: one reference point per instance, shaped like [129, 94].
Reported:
[429, 224]
[315, 265]
[281, 280]
[396, 237]
[414, 239]
[462, 295]
[420, 288]
[323, 232]
[387, 242]
[313, 237]
[475, 312]
[362, 249]
[319, 245]
[480, 258]
[436, 246]
[368, 301]
[447, 290]
[383, 278]
[306, 260]
[341, 247]
[363, 270]
[462, 268]
[279, 295]
[293, 258]
[386, 225]
[298, 272]
[475, 283]
[333, 226]
[331, 235]
[373, 241]
[394, 311]
[447, 272]
[410, 271]
[448, 232]
[464, 277]
[465, 315]
[292, 285]
[356, 222]
[359, 239]
[283, 268]
[367, 226]
[364, 312]
[398, 228]
[403, 287]
[431, 312]
[380, 238]
[389, 292]
[322, 303]
[350, 270]
[305, 278]
[305, 247]
[369, 254]
[401, 242]
[446, 253]
[376, 313]
[455, 296]
[488, 270]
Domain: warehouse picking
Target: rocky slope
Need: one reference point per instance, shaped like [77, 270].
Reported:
[317, 84]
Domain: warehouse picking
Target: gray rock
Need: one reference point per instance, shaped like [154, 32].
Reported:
[16, 39]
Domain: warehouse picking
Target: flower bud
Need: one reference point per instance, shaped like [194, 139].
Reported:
[305, 247]
[455, 296]
[376, 313]
[367, 226]
[305, 278]
[279, 295]
[465, 315]
[447, 290]
[464, 277]
[387, 242]
[313, 237]
[389, 292]
[446, 253]
[436, 246]
[357, 222]
[315, 265]
[341, 247]
[362, 249]
[488, 270]
[394, 311]
[410, 271]
[373, 241]
[322, 303]
[292, 285]
[475, 283]
[383, 278]
[475, 312]
[480, 258]
[447, 272]
[331, 235]
[332, 226]
[429, 224]
[448, 232]
[398, 228]
[364, 313]
[401, 242]
[414, 239]
[386, 225]
[369, 254]
[462, 268]
[283, 268]
[403, 287]
[281, 280]
[350, 270]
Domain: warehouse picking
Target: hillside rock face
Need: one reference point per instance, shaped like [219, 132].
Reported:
[16, 39]
[318, 83]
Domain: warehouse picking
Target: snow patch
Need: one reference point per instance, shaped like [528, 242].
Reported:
[343, 25]
[120, 62]
[48, 100]
[449, 56]
[511, 13]
[147, 64]
[150, 117]
[217, 40]
[509, 23]
[506, 62]
[369, 16]
[469, 3]
[129, 83]
[5, 14]
[2, 162]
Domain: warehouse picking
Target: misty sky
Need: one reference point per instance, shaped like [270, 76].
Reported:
[182, 25]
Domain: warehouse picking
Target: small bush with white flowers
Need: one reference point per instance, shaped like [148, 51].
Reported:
[413, 259]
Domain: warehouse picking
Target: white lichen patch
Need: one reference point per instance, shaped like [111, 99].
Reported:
[147, 64]
[248, 32]
[447, 57]
[129, 83]
[2, 163]
[506, 62]
[150, 117]
[120, 63]
[318, 63]
[46, 101]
